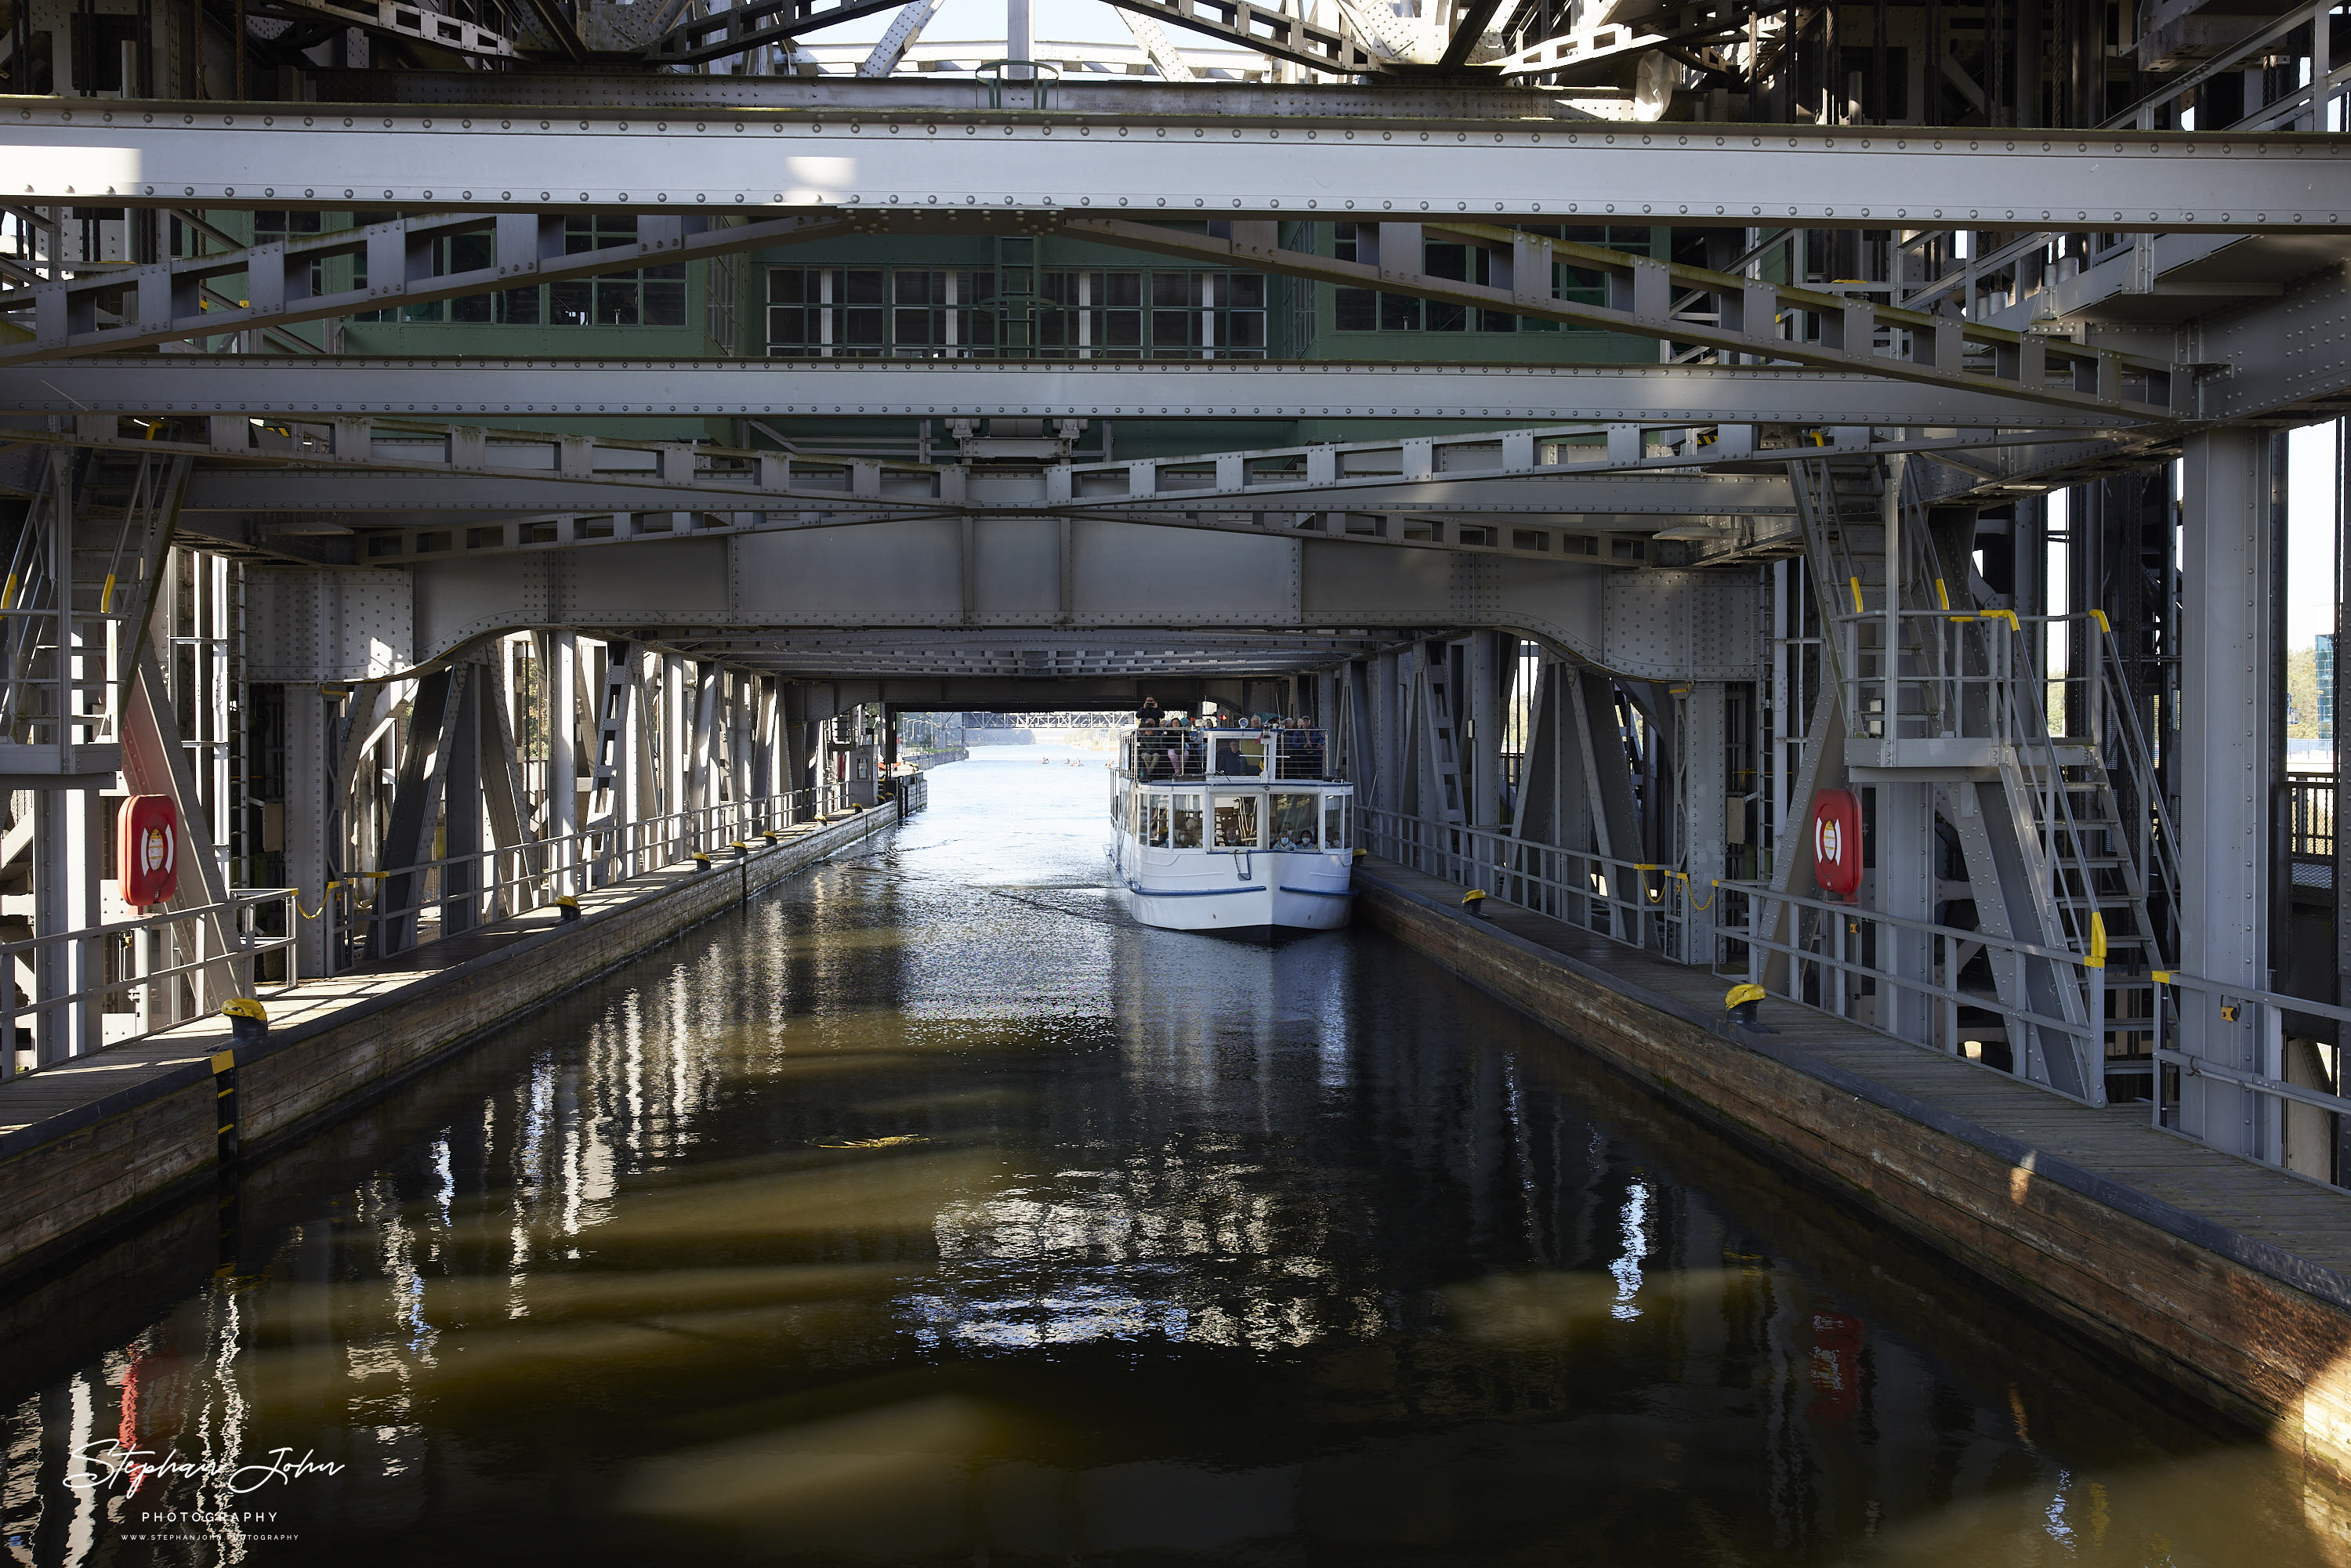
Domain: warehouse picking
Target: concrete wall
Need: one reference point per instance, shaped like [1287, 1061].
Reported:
[72, 1179]
[2129, 1272]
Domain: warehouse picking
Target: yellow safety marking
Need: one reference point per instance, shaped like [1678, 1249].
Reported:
[8, 594]
[230, 1128]
[2101, 617]
[105, 595]
[1942, 595]
[2007, 615]
[2163, 977]
[1855, 582]
[223, 1061]
[2098, 958]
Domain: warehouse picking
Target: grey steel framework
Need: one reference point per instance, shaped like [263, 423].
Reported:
[1781, 332]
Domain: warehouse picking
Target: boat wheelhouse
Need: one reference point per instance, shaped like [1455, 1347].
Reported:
[1236, 830]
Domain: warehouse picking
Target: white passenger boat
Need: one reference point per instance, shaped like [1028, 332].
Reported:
[1237, 831]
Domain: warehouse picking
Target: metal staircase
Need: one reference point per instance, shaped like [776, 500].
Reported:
[1952, 694]
[82, 575]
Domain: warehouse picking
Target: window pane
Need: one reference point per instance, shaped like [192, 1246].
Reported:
[786, 285]
[469, 253]
[1399, 313]
[862, 327]
[1241, 329]
[1171, 328]
[664, 304]
[1119, 329]
[1158, 821]
[1174, 288]
[567, 303]
[1118, 288]
[1291, 822]
[1334, 821]
[616, 301]
[1243, 289]
[472, 308]
[859, 286]
[1186, 822]
[1356, 311]
[1440, 316]
[519, 306]
[1237, 820]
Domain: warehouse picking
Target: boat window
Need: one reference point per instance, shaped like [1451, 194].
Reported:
[1290, 822]
[1237, 820]
[1158, 824]
[1334, 821]
[1240, 758]
[1186, 820]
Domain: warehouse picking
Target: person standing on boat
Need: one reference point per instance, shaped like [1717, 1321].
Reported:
[1148, 716]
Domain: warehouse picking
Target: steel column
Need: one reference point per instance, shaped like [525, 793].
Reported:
[2222, 767]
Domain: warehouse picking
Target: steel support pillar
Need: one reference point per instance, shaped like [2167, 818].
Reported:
[1705, 800]
[64, 899]
[563, 757]
[1481, 784]
[463, 770]
[2222, 767]
[310, 778]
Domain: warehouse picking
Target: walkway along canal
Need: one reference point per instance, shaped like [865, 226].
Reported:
[927, 1209]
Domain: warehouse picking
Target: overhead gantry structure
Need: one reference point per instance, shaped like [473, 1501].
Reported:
[1601, 612]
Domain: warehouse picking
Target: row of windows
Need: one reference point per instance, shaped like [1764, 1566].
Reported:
[864, 311]
[1234, 821]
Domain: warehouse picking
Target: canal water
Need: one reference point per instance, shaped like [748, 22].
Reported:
[927, 1210]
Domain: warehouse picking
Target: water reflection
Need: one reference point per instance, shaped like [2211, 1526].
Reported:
[931, 1211]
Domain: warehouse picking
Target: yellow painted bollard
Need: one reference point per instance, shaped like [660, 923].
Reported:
[1744, 1003]
[248, 1020]
[567, 909]
[1473, 904]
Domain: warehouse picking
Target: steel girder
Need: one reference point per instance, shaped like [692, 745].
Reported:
[1106, 585]
[311, 156]
[325, 386]
[260, 492]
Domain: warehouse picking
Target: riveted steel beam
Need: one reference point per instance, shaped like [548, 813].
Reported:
[264, 385]
[311, 156]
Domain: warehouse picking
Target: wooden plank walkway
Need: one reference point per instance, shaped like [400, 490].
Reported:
[31, 1098]
[2116, 1142]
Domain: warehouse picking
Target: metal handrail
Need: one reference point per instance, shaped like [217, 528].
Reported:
[1655, 920]
[236, 912]
[609, 852]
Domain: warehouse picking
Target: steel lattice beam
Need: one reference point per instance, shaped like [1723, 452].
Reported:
[1727, 313]
[168, 301]
[311, 156]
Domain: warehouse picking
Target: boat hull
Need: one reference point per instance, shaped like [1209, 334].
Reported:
[1267, 903]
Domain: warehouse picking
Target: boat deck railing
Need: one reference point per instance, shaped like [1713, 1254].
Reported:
[1181, 753]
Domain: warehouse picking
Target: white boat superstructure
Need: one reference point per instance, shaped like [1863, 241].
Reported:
[1233, 831]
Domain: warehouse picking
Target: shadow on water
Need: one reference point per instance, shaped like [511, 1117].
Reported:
[928, 1210]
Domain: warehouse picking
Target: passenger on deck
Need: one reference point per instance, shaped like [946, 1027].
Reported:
[1148, 716]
